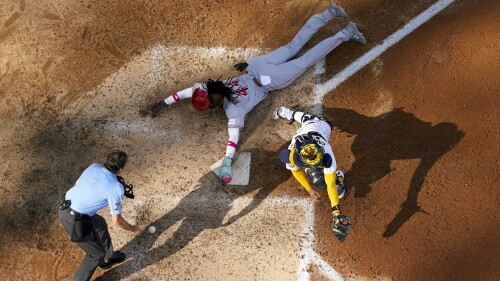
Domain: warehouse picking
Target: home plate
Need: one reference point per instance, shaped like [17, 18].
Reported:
[241, 168]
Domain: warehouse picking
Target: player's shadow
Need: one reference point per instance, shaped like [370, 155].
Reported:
[396, 135]
[206, 207]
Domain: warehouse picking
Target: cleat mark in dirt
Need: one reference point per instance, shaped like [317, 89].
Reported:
[7, 67]
[47, 66]
[51, 16]
[4, 34]
[110, 46]
[85, 33]
[12, 19]
[22, 5]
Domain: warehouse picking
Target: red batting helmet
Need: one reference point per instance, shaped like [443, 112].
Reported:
[200, 99]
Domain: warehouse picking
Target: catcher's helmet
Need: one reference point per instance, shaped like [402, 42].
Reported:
[309, 151]
[200, 99]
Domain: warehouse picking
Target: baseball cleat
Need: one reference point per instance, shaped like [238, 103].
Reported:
[339, 182]
[283, 112]
[354, 33]
[336, 10]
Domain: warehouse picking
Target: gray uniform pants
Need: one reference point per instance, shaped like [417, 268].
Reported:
[102, 248]
[277, 64]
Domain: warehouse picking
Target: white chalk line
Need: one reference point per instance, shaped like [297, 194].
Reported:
[323, 89]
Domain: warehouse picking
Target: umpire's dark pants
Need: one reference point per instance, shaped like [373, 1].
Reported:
[101, 248]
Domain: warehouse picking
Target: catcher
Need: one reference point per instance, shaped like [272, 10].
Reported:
[310, 159]
[272, 71]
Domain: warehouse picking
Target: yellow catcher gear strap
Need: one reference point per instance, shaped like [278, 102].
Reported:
[290, 156]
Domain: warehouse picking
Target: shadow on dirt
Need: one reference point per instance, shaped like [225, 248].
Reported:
[52, 157]
[203, 208]
[396, 135]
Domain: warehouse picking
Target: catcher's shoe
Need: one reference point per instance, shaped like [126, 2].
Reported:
[341, 190]
[339, 182]
[354, 33]
[283, 112]
[336, 10]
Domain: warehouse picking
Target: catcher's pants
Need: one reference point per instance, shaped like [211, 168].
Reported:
[102, 248]
[277, 64]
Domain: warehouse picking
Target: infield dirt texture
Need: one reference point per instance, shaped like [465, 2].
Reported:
[416, 131]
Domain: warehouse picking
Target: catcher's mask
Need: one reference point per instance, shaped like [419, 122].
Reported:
[309, 151]
[200, 99]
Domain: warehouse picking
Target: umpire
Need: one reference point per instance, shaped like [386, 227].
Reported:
[97, 187]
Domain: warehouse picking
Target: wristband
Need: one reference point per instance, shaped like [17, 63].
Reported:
[232, 144]
[336, 210]
[176, 97]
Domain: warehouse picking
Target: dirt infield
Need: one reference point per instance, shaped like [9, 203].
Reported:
[416, 130]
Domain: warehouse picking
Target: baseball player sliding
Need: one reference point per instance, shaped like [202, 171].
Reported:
[264, 73]
[308, 152]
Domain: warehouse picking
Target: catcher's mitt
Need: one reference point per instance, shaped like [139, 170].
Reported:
[129, 189]
[341, 225]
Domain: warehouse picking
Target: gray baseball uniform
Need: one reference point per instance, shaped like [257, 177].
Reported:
[275, 70]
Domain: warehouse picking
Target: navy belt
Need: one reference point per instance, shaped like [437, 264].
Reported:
[78, 216]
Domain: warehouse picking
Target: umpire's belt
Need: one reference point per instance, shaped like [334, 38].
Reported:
[65, 205]
[78, 216]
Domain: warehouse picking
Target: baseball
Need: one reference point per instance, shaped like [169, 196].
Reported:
[151, 229]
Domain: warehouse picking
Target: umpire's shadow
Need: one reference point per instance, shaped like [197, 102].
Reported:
[203, 208]
[395, 135]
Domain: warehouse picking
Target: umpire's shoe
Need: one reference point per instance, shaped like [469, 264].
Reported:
[336, 11]
[354, 33]
[117, 257]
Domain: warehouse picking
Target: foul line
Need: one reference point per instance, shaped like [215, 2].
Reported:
[321, 90]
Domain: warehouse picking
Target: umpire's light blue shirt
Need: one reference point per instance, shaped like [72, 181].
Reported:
[96, 188]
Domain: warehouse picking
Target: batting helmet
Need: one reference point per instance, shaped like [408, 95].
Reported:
[200, 99]
[309, 151]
